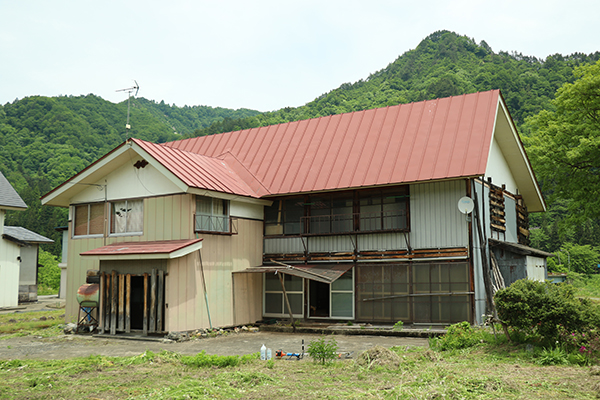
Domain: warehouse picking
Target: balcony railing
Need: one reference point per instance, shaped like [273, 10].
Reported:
[222, 224]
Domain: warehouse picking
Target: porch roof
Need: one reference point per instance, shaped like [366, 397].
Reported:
[326, 273]
[519, 249]
[161, 249]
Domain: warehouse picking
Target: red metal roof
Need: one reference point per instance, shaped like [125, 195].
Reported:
[142, 248]
[197, 170]
[429, 140]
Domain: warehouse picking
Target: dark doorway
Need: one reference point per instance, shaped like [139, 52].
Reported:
[319, 299]
[137, 302]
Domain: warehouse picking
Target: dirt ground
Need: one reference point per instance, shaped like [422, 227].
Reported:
[68, 346]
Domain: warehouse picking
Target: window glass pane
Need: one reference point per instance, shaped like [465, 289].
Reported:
[203, 205]
[273, 303]
[394, 212]
[370, 213]
[96, 219]
[294, 211]
[135, 218]
[273, 212]
[81, 220]
[292, 283]
[295, 302]
[320, 215]
[272, 282]
[341, 305]
[119, 217]
[127, 216]
[344, 282]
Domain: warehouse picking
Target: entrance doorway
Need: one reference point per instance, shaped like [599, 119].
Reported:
[319, 299]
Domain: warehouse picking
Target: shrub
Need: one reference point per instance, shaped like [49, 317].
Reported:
[458, 336]
[398, 326]
[323, 351]
[539, 308]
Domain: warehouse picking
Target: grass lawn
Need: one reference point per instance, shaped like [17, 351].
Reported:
[504, 373]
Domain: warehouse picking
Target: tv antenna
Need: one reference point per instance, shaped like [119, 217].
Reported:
[129, 90]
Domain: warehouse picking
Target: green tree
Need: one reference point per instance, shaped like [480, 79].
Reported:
[576, 258]
[564, 144]
[48, 273]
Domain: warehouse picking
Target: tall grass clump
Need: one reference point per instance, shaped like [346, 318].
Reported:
[459, 336]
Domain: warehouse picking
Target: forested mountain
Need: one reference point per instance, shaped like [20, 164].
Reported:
[443, 64]
[44, 141]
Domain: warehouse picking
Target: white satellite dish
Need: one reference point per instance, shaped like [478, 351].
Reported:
[466, 205]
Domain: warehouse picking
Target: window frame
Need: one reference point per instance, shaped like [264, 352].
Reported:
[226, 216]
[112, 221]
[277, 220]
[89, 213]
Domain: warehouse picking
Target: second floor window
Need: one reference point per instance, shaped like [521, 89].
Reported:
[370, 210]
[127, 216]
[212, 215]
[88, 219]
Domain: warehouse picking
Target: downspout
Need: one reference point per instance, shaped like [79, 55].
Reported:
[484, 260]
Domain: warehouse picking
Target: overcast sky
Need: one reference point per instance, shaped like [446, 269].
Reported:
[262, 55]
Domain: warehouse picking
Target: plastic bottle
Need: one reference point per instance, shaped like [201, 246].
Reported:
[263, 351]
[269, 355]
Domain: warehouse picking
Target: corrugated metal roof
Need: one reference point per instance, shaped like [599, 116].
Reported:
[197, 170]
[25, 235]
[154, 249]
[428, 140]
[8, 195]
[326, 273]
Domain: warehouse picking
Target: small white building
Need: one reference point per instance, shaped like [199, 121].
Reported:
[9, 251]
[29, 249]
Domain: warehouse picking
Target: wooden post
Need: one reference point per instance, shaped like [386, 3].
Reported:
[145, 324]
[153, 301]
[287, 301]
[159, 306]
[101, 305]
[128, 303]
[121, 324]
[106, 295]
[113, 303]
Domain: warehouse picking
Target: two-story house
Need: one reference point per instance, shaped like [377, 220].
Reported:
[358, 212]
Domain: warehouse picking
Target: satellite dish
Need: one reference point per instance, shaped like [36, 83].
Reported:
[465, 205]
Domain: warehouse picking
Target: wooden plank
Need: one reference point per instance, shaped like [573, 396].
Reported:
[128, 303]
[152, 327]
[121, 300]
[113, 303]
[106, 295]
[160, 303]
[101, 305]
[145, 324]
[524, 232]
[498, 227]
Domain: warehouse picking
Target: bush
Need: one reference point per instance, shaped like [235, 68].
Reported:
[458, 336]
[322, 351]
[539, 309]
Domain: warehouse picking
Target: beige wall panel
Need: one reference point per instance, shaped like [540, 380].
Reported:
[247, 298]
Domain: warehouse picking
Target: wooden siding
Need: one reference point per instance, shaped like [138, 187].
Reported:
[165, 218]
[247, 298]
[171, 218]
[221, 256]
